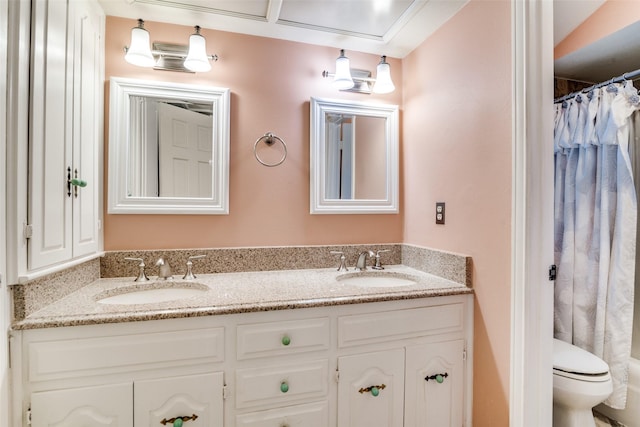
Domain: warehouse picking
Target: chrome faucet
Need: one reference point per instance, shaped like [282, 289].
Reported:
[164, 272]
[361, 264]
[142, 276]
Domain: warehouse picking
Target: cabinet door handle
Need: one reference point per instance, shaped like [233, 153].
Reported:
[284, 387]
[286, 340]
[374, 389]
[439, 378]
[177, 421]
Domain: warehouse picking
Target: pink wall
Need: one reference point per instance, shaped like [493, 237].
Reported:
[457, 149]
[271, 82]
[609, 18]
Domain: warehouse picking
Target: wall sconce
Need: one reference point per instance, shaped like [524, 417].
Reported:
[165, 56]
[354, 80]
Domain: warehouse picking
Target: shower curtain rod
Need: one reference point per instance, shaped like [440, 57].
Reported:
[626, 76]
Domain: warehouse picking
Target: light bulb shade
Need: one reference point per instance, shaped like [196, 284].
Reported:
[342, 79]
[139, 52]
[197, 59]
[383, 78]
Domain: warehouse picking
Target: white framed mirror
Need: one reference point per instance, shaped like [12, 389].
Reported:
[168, 148]
[354, 157]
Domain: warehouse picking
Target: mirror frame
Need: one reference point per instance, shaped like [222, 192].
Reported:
[319, 203]
[119, 133]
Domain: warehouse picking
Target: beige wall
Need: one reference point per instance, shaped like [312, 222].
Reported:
[457, 149]
[271, 82]
[612, 16]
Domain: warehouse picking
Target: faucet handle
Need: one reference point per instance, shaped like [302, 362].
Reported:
[343, 260]
[142, 276]
[189, 274]
[378, 265]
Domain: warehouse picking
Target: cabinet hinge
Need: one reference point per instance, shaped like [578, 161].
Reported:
[337, 376]
[28, 231]
[28, 416]
[225, 391]
[464, 354]
[553, 272]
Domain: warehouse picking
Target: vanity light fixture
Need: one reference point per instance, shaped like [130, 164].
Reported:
[354, 80]
[139, 53]
[166, 56]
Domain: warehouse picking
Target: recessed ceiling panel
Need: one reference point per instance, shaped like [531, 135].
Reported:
[251, 9]
[364, 18]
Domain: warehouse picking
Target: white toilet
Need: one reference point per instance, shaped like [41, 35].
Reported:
[581, 380]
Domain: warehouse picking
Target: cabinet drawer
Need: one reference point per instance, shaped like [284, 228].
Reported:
[281, 384]
[74, 358]
[400, 324]
[279, 338]
[309, 415]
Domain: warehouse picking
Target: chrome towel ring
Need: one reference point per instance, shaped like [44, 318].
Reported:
[269, 138]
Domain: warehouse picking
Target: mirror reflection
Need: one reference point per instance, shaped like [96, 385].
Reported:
[354, 157]
[171, 149]
[168, 148]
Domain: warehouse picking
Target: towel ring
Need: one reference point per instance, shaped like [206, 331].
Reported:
[269, 139]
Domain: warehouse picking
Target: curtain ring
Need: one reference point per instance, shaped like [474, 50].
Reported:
[269, 138]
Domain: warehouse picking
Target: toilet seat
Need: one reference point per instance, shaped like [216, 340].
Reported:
[575, 363]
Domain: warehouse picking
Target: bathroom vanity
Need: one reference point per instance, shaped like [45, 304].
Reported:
[299, 348]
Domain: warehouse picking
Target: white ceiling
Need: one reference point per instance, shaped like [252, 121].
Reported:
[381, 27]
[608, 57]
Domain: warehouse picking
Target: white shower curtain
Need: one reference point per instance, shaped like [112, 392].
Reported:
[595, 227]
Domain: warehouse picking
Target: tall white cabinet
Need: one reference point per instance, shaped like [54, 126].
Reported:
[66, 131]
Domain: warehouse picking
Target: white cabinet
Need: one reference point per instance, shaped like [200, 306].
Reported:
[371, 389]
[387, 364]
[195, 398]
[66, 118]
[110, 405]
[434, 384]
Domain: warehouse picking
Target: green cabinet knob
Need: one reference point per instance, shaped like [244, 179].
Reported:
[439, 379]
[286, 340]
[375, 391]
[177, 422]
[78, 182]
[284, 387]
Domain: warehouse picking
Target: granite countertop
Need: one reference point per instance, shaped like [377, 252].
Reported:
[228, 293]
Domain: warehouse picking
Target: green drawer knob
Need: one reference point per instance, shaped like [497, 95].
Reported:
[78, 182]
[439, 379]
[286, 340]
[375, 391]
[177, 422]
[284, 387]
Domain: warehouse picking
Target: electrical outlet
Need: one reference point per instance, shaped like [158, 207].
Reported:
[439, 212]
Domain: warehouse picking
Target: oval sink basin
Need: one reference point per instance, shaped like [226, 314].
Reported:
[376, 279]
[151, 293]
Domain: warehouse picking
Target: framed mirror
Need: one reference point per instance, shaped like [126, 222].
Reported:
[354, 157]
[168, 148]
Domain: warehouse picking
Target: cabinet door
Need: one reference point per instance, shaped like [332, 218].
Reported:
[101, 406]
[50, 135]
[195, 398]
[359, 404]
[88, 71]
[436, 401]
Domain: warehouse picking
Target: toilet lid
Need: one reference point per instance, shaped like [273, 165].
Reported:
[569, 358]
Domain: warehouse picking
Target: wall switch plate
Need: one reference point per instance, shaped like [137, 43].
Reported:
[439, 212]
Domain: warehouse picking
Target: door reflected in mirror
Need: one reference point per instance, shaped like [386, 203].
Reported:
[354, 157]
[171, 155]
[168, 148]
